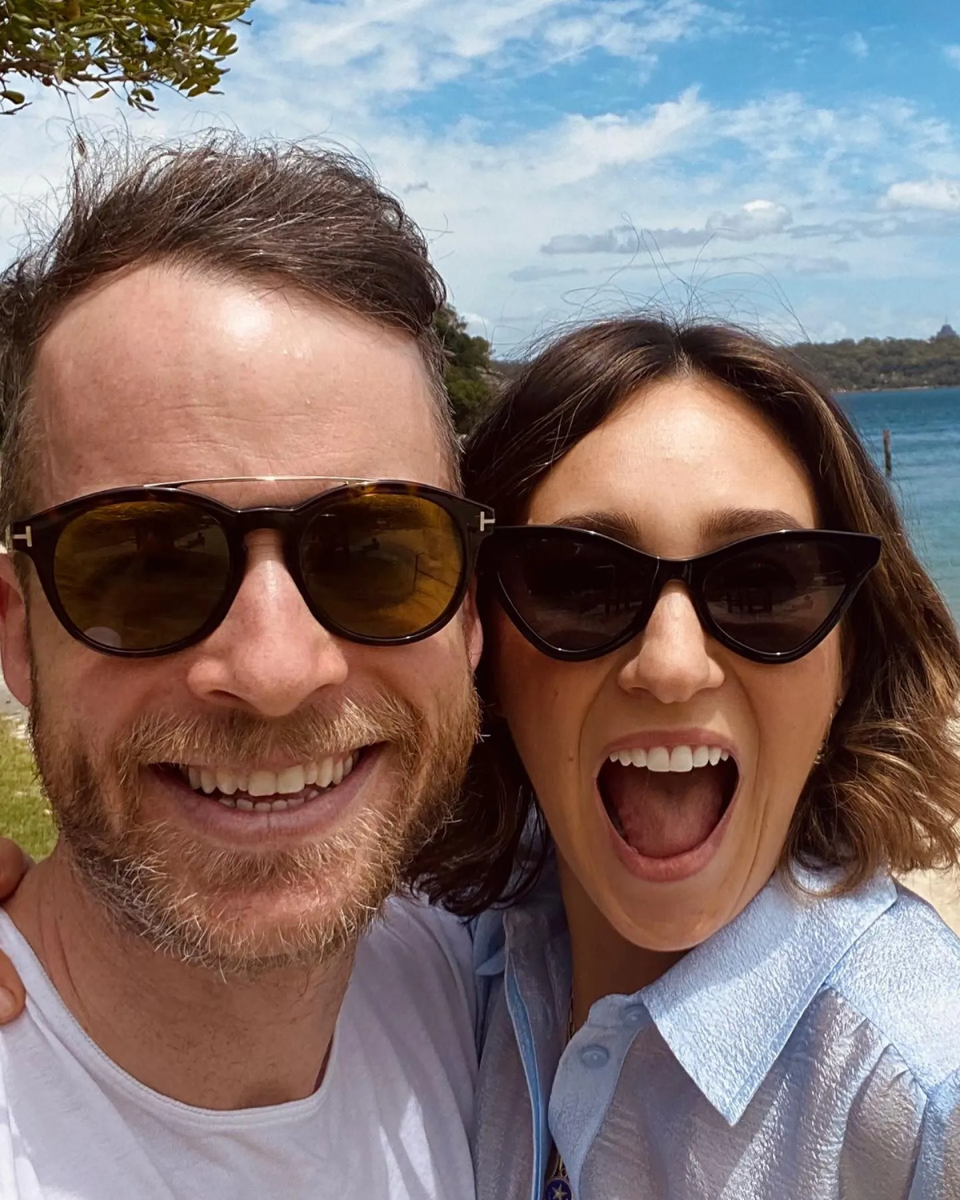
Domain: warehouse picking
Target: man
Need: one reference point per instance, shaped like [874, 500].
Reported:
[250, 693]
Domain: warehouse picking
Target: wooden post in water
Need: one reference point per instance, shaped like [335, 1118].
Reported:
[887, 456]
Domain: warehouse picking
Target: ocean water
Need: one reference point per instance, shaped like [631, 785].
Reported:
[925, 444]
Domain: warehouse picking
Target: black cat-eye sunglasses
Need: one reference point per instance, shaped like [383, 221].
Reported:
[577, 595]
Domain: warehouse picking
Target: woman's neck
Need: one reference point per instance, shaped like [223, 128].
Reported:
[604, 962]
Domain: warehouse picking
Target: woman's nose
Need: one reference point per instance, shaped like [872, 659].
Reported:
[672, 659]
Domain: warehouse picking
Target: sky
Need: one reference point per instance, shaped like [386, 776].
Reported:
[793, 167]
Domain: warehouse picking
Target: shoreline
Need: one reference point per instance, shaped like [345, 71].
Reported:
[911, 387]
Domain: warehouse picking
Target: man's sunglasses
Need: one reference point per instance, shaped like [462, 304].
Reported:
[578, 595]
[142, 571]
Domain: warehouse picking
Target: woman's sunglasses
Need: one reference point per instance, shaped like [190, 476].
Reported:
[142, 571]
[577, 595]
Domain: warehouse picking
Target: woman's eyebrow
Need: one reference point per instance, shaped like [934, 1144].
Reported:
[612, 523]
[724, 525]
[743, 522]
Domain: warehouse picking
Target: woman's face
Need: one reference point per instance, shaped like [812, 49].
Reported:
[669, 856]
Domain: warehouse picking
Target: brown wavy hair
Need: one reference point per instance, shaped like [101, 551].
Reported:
[300, 216]
[886, 792]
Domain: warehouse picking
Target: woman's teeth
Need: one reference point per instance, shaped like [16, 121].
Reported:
[679, 758]
[270, 791]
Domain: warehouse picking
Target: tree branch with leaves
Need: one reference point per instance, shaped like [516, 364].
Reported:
[124, 47]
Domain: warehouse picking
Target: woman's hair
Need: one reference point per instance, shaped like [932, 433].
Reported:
[886, 791]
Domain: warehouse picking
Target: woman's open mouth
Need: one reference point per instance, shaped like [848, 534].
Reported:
[666, 802]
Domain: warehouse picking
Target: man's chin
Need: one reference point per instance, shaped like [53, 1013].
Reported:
[243, 913]
[276, 938]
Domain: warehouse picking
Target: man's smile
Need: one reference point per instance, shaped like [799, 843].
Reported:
[265, 790]
[251, 806]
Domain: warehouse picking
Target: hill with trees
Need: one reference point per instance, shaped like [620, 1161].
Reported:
[878, 363]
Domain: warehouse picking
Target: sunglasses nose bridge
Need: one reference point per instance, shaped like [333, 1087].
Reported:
[287, 524]
[670, 570]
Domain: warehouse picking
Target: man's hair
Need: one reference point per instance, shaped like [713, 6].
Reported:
[302, 217]
[886, 791]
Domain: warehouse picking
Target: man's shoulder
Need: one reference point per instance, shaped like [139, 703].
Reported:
[903, 976]
[411, 925]
[411, 1002]
[420, 947]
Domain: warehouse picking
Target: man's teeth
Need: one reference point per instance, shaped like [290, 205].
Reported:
[679, 758]
[269, 791]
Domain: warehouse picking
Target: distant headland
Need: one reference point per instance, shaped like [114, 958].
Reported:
[879, 364]
[868, 365]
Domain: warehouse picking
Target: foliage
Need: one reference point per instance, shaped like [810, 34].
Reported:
[24, 811]
[873, 363]
[122, 46]
[469, 374]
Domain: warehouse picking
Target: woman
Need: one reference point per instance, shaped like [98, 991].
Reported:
[735, 726]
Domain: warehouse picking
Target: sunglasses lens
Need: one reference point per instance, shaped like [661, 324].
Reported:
[383, 565]
[775, 597]
[575, 593]
[141, 576]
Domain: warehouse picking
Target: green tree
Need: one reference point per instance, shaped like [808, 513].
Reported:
[469, 375]
[886, 362]
[127, 47]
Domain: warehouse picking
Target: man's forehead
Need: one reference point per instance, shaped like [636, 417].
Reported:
[165, 373]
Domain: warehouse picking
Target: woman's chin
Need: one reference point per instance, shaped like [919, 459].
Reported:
[669, 918]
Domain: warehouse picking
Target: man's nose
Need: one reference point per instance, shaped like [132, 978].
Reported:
[672, 659]
[270, 655]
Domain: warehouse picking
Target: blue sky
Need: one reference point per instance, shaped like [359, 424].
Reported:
[793, 167]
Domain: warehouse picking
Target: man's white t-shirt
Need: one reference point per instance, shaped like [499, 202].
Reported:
[390, 1121]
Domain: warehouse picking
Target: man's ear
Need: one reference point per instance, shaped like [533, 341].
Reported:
[14, 643]
[472, 628]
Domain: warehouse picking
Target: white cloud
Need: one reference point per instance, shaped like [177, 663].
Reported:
[941, 195]
[952, 55]
[359, 51]
[755, 219]
[857, 45]
[619, 174]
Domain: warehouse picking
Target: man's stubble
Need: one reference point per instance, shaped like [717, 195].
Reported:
[200, 903]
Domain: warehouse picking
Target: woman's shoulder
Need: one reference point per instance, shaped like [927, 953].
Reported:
[902, 975]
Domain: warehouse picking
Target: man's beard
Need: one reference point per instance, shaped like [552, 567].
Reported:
[200, 903]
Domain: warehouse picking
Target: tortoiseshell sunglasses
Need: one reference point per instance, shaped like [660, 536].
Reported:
[144, 571]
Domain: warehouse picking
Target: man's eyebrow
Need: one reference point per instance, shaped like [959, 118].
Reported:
[730, 523]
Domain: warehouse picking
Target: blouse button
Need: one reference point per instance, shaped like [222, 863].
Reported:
[594, 1056]
[633, 1014]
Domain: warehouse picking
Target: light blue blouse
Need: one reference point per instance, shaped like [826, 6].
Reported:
[810, 1050]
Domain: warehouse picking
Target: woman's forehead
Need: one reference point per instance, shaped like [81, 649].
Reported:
[683, 449]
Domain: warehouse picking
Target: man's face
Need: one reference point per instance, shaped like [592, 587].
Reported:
[165, 374]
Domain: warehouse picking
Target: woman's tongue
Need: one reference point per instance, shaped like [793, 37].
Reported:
[663, 813]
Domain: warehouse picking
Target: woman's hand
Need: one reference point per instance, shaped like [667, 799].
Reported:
[14, 864]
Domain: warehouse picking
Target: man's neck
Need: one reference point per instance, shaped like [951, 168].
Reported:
[184, 1032]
